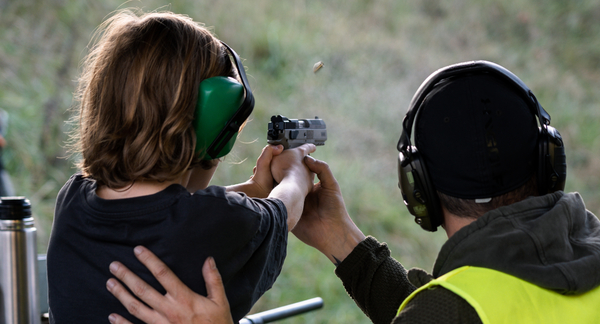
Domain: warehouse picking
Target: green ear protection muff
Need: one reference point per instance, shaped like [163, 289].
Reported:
[218, 99]
[418, 191]
[223, 106]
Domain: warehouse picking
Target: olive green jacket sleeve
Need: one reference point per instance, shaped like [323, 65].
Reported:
[379, 284]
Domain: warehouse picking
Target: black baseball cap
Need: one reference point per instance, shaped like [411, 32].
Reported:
[477, 136]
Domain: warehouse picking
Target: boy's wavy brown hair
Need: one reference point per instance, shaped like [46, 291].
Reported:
[137, 96]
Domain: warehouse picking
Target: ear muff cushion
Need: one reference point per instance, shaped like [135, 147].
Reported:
[552, 165]
[417, 191]
[218, 100]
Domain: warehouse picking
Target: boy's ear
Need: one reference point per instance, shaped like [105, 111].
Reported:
[219, 98]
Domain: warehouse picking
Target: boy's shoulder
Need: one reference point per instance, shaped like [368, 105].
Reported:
[75, 182]
[239, 199]
[219, 192]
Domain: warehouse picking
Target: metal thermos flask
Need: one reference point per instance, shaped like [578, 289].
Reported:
[18, 263]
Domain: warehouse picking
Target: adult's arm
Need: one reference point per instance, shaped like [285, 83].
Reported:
[379, 284]
[325, 223]
[375, 281]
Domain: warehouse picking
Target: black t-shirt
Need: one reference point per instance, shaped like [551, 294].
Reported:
[247, 237]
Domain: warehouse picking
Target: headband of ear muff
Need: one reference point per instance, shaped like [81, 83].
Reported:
[223, 106]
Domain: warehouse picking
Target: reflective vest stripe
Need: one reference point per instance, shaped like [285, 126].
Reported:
[501, 298]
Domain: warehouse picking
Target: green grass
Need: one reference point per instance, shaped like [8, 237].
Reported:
[376, 53]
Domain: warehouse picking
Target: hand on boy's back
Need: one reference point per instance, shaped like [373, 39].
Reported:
[290, 164]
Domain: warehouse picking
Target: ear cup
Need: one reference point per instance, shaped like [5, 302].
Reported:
[219, 98]
[417, 190]
[552, 165]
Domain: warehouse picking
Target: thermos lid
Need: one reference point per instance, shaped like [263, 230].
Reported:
[15, 208]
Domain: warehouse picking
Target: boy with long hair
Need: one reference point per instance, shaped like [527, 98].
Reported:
[145, 169]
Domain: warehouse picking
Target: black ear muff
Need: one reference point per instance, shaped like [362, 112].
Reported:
[418, 191]
[223, 106]
[552, 164]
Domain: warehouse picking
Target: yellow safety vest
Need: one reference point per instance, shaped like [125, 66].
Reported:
[501, 298]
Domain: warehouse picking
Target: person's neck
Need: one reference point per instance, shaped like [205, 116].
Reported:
[193, 180]
[453, 223]
[137, 189]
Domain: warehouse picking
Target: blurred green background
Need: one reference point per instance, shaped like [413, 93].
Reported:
[376, 54]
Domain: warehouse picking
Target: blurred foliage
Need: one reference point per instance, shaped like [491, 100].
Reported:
[376, 53]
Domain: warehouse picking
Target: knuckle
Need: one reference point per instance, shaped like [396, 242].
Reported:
[161, 272]
[134, 307]
[216, 278]
[139, 289]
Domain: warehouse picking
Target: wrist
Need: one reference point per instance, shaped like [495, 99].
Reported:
[296, 183]
[344, 246]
